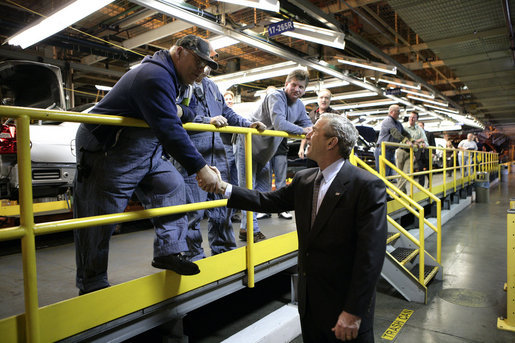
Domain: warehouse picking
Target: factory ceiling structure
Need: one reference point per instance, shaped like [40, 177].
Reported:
[452, 61]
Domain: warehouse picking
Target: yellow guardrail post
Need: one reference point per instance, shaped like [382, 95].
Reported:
[250, 214]
[411, 160]
[430, 175]
[508, 323]
[422, 251]
[381, 163]
[28, 243]
[444, 174]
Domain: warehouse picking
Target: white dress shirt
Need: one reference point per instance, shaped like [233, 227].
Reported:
[329, 175]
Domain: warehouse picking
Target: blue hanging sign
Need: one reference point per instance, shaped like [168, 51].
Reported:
[393, 91]
[280, 27]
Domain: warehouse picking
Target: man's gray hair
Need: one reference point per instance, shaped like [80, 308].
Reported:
[298, 74]
[341, 128]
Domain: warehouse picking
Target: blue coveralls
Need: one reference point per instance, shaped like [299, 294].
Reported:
[114, 162]
[209, 103]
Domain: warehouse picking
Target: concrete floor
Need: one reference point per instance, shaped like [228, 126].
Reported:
[462, 308]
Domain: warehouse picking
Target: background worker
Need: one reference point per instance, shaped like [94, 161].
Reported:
[210, 108]
[417, 141]
[324, 106]
[115, 162]
[391, 131]
[280, 110]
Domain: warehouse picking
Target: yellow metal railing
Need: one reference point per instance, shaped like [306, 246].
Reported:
[508, 323]
[416, 209]
[478, 161]
[35, 328]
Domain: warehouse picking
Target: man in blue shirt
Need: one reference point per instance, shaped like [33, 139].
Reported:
[280, 110]
[391, 131]
[115, 162]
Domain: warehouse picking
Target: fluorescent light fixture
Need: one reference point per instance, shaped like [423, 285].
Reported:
[315, 34]
[222, 42]
[365, 104]
[267, 5]
[419, 93]
[328, 83]
[357, 62]
[399, 82]
[266, 72]
[444, 110]
[57, 22]
[366, 113]
[103, 88]
[445, 104]
[343, 96]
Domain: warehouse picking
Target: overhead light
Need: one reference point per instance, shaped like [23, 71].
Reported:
[419, 93]
[399, 82]
[444, 110]
[222, 42]
[266, 72]
[103, 88]
[445, 104]
[328, 83]
[342, 96]
[365, 104]
[366, 113]
[385, 68]
[267, 5]
[315, 34]
[57, 22]
[315, 86]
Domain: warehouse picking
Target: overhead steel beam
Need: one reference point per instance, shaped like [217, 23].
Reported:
[452, 62]
[62, 64]
[252, 39]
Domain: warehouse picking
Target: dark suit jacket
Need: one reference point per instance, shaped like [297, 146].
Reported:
[341, 257]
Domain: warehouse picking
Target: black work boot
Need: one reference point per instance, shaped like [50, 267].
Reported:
[177, 263]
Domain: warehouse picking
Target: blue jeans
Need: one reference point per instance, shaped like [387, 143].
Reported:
[261, 179]
[231, 160]
[104, 184]
[389, 155]
[278, 166]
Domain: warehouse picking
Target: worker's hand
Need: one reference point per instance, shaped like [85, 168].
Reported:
[347, 326]
[208, 179]
[258, 126]
[221, 186]
[179, 111]
[307, 130]
[218, 121]
[301, 153]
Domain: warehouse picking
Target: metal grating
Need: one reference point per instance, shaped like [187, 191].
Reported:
[438, 19]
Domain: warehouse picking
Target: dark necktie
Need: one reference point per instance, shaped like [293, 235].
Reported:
[316, 189]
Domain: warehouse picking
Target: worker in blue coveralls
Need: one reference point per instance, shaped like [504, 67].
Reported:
[115, 162]
[280, 110]
[210, 108]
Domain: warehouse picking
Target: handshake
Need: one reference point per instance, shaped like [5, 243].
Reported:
[210, 180]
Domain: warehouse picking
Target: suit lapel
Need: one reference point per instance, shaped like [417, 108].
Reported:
[333, 195]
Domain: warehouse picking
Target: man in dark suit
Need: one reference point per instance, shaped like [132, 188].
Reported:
[341, 254]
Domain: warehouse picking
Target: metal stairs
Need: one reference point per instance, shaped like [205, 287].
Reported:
[402, 266]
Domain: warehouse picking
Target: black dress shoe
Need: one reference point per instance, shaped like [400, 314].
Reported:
[177, 263]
